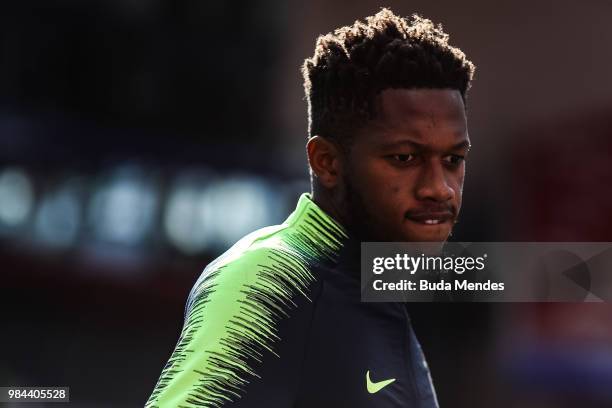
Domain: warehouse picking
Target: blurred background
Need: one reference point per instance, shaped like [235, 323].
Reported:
[140, 138]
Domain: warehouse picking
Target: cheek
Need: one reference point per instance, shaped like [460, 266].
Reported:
[385, 189]
[371, 176]
[384, 185]
[461, 177]
[458, 186]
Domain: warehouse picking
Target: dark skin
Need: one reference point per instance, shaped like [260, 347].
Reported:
[401, 177]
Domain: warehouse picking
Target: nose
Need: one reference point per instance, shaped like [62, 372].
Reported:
[433, 184]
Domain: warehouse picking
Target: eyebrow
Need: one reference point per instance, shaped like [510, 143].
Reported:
[465, 144]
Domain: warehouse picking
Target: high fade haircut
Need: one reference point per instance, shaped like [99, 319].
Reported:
[352, 65]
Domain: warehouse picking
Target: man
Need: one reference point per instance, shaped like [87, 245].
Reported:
[276, 321]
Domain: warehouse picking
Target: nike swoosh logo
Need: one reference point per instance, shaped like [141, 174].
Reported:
[374, 387]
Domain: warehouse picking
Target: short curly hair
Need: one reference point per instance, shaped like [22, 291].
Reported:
[353, 64]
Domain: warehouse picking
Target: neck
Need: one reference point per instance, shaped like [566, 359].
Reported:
[349, 255]
[325, 201]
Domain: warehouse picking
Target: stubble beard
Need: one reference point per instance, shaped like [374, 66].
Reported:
[361, 223]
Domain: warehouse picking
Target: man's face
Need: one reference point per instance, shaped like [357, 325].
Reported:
[403, 176]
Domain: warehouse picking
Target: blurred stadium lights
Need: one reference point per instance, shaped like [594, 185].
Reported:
[202, 213]
[58, 217]
[122, 210]
[239, 205]
[16, 198]
[184, 224]
[216, 215]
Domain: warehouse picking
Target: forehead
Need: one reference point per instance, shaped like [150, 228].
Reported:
[433, 117]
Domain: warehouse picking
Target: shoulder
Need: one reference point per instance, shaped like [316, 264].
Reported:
[262, 265]
[231, 323]
[238, 310]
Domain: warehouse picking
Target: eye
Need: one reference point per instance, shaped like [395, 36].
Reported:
[403, 158]
[454, 159]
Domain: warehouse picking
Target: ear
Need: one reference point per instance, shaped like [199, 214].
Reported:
[324, 159]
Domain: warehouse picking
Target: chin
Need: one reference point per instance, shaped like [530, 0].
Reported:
[432, 237]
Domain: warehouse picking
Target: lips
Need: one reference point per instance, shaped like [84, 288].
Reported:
[430, 217]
